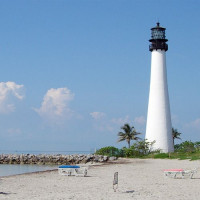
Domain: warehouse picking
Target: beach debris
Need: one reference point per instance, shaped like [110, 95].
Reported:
[115, 181]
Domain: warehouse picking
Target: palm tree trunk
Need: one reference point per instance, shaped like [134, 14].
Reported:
[129, 145]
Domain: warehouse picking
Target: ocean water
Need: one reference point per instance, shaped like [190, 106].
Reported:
[46, 152]
[7, 169]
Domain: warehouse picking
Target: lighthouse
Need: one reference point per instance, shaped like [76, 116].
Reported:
[159, 127]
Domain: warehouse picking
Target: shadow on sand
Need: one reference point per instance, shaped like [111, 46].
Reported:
[130, 191]
[5, 193]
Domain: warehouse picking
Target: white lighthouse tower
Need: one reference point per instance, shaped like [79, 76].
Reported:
[159, 128]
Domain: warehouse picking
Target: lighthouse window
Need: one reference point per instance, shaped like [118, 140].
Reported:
[158, 34]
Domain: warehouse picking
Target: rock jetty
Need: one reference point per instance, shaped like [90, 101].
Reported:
[43, 159]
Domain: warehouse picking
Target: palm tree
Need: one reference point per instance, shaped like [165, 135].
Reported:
[128, 134]
[175, 134]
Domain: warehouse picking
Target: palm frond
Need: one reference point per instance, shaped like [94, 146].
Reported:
[129, 133]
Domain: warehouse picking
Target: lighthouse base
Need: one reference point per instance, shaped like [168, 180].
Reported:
[159, 128]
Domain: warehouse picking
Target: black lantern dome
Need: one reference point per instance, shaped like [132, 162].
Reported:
[158, 40]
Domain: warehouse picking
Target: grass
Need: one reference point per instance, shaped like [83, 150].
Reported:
[176, 155]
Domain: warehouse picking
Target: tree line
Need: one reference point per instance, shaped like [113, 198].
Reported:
[143, 148]
[129, 133]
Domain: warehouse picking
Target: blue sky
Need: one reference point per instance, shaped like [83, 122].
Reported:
[73, 72]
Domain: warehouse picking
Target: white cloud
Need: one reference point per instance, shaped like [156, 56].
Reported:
[121, 121]
[56, 104]
[103, 126]
[14, 132]
[102, 123]
[97, 115]
[194, 124]
[8, 90]
[140, 120]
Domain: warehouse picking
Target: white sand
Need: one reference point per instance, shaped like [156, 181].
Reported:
[138, 179]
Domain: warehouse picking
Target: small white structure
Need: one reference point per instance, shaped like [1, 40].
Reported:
[159, 128]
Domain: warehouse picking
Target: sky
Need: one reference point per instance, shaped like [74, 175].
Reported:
[74, 72]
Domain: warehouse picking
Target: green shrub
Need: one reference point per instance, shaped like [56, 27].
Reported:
[187, 147]
[128, 152]
[161, 155]
[138, 149]
[143, 149]
[197, 146]
[109, 151]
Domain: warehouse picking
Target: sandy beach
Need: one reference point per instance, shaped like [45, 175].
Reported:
[138, 179]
